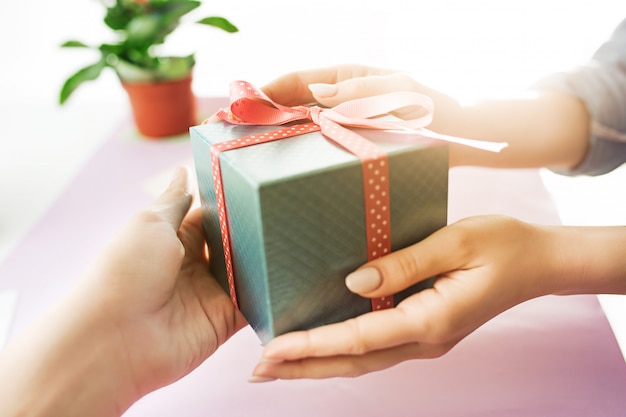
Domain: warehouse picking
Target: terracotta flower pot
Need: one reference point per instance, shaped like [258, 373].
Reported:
[164, 108]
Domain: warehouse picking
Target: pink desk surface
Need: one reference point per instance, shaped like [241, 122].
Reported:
[554, 356]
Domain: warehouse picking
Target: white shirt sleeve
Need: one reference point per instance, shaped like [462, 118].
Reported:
[601, 84]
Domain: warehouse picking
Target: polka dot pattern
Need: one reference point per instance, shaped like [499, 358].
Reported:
[224, 230]
[374, 165]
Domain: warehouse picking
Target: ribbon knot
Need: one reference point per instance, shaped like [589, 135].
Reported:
[313, 113]
[250, 106]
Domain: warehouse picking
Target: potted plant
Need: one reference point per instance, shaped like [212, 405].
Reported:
[159, 87]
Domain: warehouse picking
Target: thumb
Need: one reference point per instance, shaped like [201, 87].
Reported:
[403, 268]
[174, 203]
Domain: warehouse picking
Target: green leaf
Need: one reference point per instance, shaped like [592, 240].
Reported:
[88, 73]
[172, 68]
[219, 22]
[129, 72]
[140, 25]
[176, 8]
[112, 49]
[74, 44]
[118, 15]
[167, 68]
[169, 15]
[141, 30]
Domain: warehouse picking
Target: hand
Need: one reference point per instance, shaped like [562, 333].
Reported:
[170, 314]
[147, 314]
[484, 266]
[334, 85]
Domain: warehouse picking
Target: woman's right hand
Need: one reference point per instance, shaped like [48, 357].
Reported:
[542, 128]
[331, 86]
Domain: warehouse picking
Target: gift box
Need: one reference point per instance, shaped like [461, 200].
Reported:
[297, 218]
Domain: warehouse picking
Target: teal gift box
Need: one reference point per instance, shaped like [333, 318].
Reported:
[297, 219]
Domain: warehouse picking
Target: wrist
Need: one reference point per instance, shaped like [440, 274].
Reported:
[448, 113]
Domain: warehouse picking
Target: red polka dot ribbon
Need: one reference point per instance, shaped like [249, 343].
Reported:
[220, 147]
[250, 106]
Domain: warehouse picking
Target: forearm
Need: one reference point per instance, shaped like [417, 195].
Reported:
[543, 129]
[63, 367]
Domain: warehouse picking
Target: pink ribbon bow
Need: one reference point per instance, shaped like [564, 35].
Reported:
[250, 106]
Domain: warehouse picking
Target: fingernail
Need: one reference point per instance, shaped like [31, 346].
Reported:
[182, 177]
[179, 174]
[190, 182]
[255, 379]
[323, 90]
[364, 280]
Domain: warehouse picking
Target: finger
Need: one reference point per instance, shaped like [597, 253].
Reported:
[433, 317]
[293, 88]
[357, 336]
[331, 95]
[438, 254]
[345, 365]
[174, 203]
